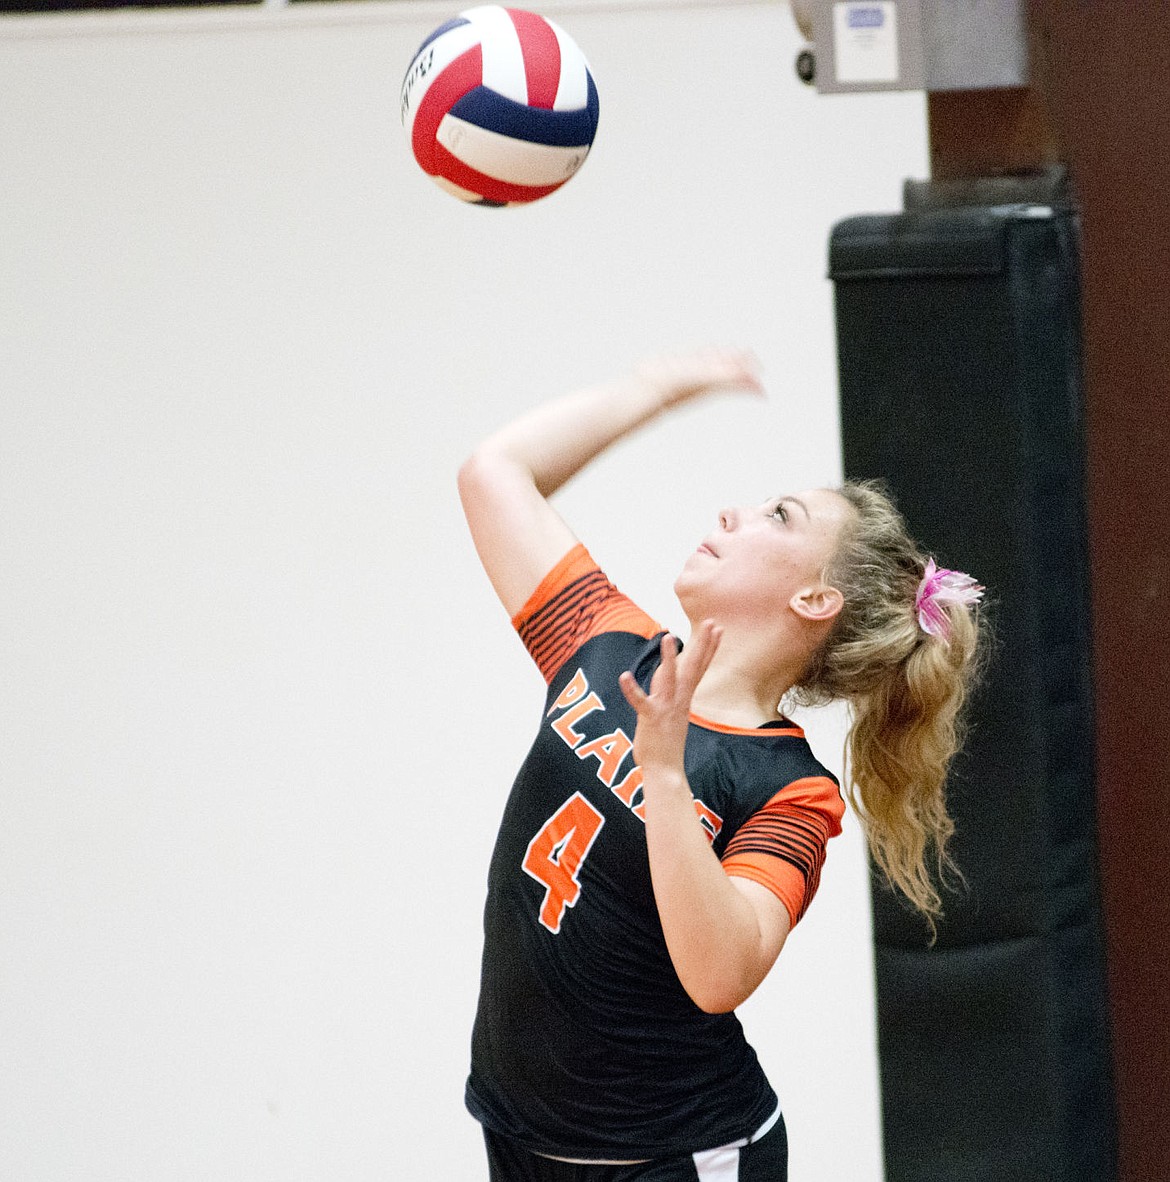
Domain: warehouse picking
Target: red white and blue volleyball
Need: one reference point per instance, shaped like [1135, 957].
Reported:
[499, 106]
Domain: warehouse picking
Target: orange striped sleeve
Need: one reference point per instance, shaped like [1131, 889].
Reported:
[782, 847]
[573, 603]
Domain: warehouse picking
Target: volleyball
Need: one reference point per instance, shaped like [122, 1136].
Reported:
[499, 106]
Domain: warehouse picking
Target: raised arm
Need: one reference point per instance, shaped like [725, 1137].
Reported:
[505, 484]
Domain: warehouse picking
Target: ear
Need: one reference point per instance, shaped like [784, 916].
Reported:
[817, 604]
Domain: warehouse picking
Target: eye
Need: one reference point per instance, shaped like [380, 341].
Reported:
[780, 512]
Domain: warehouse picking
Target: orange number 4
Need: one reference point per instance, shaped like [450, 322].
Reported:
[555, 855]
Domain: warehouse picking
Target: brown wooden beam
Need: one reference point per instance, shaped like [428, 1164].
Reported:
[990, 133]
[1108, 79]
[1098, 104]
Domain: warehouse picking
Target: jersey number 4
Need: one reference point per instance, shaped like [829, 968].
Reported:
[555, 856]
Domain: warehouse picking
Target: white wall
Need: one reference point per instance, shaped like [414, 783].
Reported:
[258, 710]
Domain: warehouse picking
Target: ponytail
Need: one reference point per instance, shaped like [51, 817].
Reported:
[905, 666]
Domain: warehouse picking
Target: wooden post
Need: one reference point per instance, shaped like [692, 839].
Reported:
[989, 133]
[1098, 104]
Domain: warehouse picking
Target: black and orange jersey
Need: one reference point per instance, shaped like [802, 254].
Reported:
[585, 1043]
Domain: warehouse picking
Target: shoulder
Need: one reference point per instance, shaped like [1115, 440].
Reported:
[782, 844]
[574, 603]
[772, 759]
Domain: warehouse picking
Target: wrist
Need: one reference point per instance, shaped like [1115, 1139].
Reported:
[656, 391]
[665, 782]
[644, 397]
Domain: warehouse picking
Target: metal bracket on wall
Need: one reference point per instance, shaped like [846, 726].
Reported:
[873, 45]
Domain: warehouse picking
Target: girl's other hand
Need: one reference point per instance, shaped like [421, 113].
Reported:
[681, 377]
[660, 737]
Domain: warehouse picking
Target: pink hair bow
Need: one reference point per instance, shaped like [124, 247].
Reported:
[940, 586]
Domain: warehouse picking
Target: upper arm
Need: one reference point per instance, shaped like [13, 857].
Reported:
[518, 535]
[782, 846]
[774, 923]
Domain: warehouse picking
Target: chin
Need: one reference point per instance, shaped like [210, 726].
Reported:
[686, 594]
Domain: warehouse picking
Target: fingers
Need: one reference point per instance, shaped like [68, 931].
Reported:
[723, 367]
[633, 692]
[662, 684]
[705, 370]
[699, 654]
[666, 675]
[677, 677]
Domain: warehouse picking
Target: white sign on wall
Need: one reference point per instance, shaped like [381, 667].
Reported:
[865, 41]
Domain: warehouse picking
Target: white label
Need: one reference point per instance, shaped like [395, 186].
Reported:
[865, 40]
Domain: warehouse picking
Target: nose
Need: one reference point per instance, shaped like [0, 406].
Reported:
[728, 519]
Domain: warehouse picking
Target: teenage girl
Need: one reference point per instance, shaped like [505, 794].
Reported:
[668, 827]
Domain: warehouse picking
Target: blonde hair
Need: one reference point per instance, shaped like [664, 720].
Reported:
[906, 689]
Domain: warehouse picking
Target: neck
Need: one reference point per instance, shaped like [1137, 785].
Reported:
[741, 689]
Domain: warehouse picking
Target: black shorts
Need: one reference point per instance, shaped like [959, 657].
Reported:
[761, 1160]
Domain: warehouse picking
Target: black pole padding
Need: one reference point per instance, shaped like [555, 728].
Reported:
[960, 379]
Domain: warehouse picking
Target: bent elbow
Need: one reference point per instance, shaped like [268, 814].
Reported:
[717, 1006]
[489, 467]
[479, 477]
[716, 998]
[470, 471]
[727, 989]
